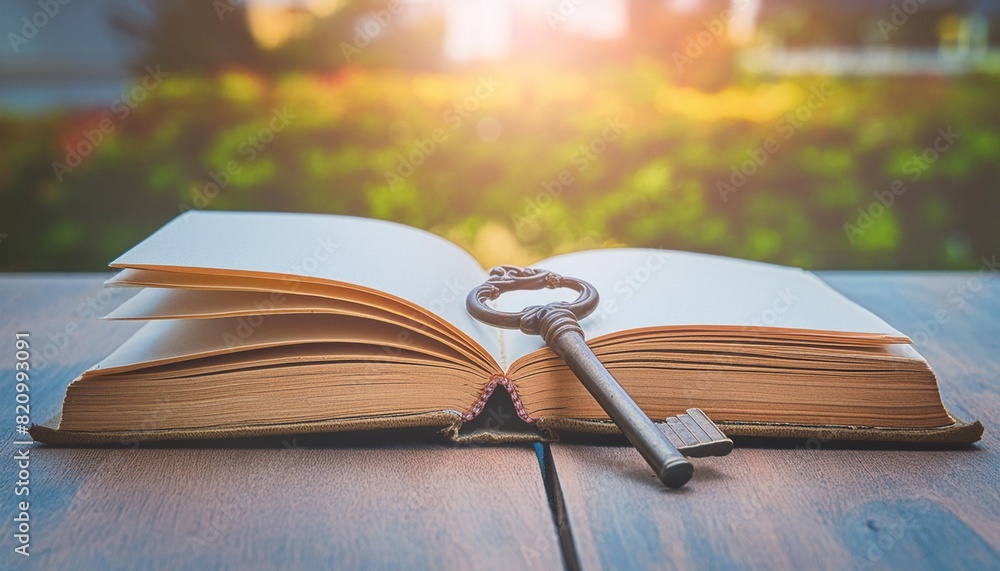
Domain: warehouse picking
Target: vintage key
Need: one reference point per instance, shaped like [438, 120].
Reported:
[693, 433]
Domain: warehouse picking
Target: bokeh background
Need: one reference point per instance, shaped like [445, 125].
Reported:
[849, 134]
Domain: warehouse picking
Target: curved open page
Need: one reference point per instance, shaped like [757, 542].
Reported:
[200, 296]
[408, 266]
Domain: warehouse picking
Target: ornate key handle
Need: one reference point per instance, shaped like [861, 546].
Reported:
[544, 320]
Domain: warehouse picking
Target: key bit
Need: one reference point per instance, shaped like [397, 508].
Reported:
[558, 324]
[695, 435]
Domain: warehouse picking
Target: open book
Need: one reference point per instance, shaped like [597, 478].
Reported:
[289, 323]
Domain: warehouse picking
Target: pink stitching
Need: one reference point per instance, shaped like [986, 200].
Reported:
[488, 392]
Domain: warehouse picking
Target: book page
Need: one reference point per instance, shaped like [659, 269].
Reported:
[172, 303]
[409, 264]
[168, 341]
[642, 288]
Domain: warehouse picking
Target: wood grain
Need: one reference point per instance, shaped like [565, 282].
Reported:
[816, 504]
[306, 503]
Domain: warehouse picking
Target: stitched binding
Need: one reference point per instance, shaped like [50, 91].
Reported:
[488, 392]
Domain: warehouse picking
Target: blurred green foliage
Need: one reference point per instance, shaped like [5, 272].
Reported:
[516, 163]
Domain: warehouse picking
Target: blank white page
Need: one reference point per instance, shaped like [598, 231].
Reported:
[655, 288]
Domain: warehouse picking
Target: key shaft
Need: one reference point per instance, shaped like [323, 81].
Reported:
[562, 333]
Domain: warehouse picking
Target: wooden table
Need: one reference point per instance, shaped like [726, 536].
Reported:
[309, 504]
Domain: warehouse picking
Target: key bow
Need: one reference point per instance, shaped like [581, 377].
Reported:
[535, 319]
